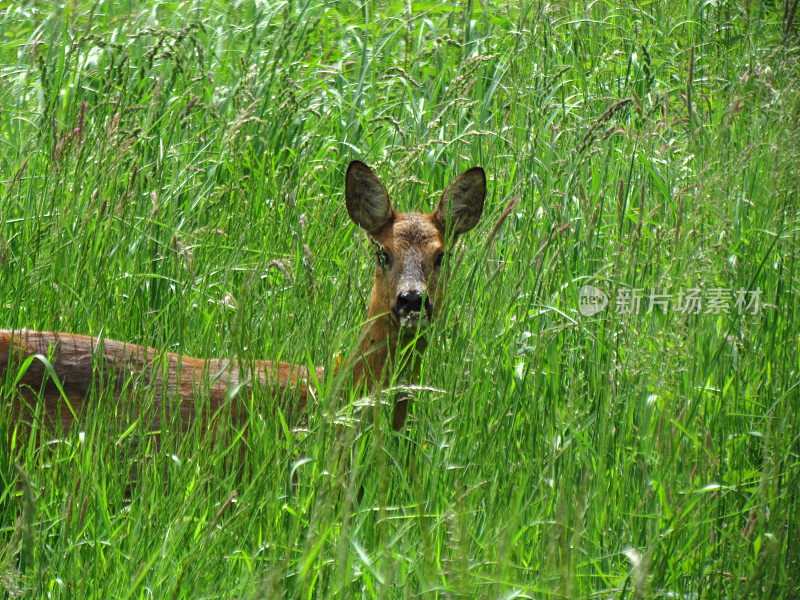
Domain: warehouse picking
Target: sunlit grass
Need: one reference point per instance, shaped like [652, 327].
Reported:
[164, 168]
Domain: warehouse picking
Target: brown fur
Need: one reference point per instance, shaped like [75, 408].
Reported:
[412, 242]
[81, 362]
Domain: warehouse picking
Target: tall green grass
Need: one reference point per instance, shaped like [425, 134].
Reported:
[172, 175]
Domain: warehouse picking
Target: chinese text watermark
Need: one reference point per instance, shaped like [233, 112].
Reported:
[690, 301]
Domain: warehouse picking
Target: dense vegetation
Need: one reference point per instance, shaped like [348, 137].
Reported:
[172, 174]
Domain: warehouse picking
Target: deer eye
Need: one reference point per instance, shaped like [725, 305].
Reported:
[384, 258]
[437, 262]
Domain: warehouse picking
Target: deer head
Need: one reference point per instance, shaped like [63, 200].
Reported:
[409, 249]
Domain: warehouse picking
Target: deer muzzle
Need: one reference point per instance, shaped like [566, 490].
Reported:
[412, 308]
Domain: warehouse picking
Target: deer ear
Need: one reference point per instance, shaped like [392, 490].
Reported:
[366, 197]
[461, 205]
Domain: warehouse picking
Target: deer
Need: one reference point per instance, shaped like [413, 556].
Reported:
[58, 372]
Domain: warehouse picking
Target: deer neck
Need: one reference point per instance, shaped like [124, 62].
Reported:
[377, 349]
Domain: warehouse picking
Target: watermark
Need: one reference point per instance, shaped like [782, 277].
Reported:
[591, 300]
[688, 301]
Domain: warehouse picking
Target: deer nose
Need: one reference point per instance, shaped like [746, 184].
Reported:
[409, 302]
[409, 306]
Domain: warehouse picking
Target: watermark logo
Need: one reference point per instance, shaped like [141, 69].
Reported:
[591, 300]
[689, 301]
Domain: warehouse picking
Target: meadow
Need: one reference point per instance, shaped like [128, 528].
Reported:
[172, 174]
